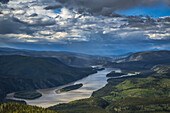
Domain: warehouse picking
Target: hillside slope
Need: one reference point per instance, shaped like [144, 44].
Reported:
[27, 73]
[21, 108]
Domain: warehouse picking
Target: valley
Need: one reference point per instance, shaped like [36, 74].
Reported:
[90, 83]
[142, 84]
[18, 73]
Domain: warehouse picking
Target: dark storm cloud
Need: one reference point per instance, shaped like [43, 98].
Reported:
[8, 26]
[53, 7]
[33, 15]
[13, 25]
[106, 6]
[4, 1]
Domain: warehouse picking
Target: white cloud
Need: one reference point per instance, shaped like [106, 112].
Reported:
[158, 36]
[66, 14]
[18, 12]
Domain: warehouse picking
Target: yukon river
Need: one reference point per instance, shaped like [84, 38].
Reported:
[90, 83]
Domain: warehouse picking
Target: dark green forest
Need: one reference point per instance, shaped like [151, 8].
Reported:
[22, 108]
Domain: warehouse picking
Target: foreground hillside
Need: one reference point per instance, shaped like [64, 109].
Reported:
[21, 108]
[28, 73]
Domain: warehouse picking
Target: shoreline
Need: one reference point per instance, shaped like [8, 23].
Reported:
[91, 83]
[11, 95]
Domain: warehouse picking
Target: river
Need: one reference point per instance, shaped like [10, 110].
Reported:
[90, 83]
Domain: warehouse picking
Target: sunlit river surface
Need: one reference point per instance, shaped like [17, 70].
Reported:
[90, 83]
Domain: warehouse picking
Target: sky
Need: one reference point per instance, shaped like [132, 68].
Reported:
[100, 27]
[155, 11]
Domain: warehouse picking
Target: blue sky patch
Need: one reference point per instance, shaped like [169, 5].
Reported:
[158, 10]
[58, 11]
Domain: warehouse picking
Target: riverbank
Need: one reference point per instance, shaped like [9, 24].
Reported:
[90, 83]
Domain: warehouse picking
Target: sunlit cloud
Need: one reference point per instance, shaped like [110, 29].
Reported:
[159, 36]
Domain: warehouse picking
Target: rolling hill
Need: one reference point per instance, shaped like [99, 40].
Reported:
[142, 60]
[148, 56]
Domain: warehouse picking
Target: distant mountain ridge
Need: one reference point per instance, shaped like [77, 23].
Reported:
[142, 60]
[69, 58]
[147, 56]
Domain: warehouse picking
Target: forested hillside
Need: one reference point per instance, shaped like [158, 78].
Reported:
[19, 73]
[22, 108]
